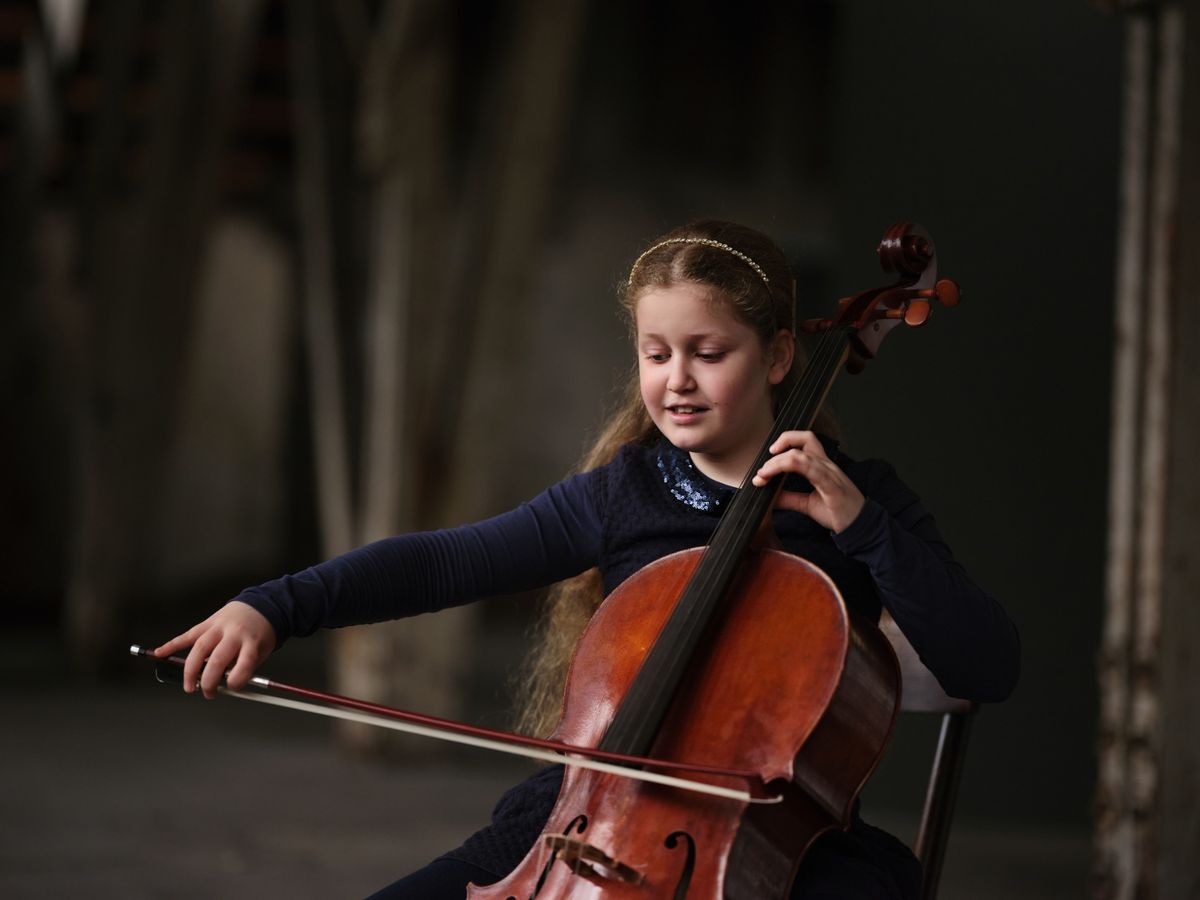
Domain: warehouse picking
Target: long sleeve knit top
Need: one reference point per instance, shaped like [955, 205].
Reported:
[648, 502]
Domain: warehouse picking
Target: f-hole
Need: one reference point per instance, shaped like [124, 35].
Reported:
[577, 825]
[685, 877]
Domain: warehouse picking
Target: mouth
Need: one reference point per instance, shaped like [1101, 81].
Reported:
[683, 412]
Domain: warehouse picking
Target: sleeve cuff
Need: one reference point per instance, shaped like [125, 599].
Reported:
[865, 531]
[269, 611]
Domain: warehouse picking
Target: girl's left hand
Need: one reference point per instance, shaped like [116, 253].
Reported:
[834, 501]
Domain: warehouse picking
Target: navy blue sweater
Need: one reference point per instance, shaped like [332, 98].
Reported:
[646, 503]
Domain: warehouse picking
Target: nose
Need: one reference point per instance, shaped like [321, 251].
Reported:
[679, 378]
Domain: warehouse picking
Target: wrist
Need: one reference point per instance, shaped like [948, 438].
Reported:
[864, 530]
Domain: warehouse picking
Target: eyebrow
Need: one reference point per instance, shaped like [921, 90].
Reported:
[701, 335]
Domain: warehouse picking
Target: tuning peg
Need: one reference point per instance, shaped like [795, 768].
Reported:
[946, 292]
[812, 326]
[916, 313]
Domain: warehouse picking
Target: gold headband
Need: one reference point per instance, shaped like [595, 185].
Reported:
[707, 242]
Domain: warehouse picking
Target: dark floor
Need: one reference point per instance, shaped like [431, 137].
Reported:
[131, 789]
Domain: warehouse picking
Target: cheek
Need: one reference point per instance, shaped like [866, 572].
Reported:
[646, 382]
[747, 388]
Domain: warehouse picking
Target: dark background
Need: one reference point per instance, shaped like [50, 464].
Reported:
[993, 125]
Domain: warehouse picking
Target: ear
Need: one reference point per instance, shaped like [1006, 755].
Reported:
[780, 355]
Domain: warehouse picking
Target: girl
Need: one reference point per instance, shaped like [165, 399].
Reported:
[711, 308]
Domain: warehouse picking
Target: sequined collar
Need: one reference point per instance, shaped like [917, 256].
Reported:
[688, 484]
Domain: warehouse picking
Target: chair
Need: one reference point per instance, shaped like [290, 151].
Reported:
[921, 693]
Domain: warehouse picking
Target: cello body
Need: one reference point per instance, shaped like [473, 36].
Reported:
[812, 721]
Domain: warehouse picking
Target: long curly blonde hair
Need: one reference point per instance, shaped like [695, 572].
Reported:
[715, 255]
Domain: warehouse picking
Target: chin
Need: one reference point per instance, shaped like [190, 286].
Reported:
[685, 441]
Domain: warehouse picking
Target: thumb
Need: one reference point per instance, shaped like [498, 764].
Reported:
[799, 501]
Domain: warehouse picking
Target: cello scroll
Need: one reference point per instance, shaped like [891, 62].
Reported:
[908, 250]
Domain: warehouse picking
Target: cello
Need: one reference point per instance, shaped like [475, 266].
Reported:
[693, 659]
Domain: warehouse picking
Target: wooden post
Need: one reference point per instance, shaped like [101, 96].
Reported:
[143, 257]
[1178, 814]
[416, 381]
[1147, 817]
[514, 181]
[402, 141]
[318, 288]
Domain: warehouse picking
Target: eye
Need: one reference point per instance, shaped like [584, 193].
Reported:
[711, 356]
[657, 357]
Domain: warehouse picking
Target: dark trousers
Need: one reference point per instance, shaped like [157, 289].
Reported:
[822, 877]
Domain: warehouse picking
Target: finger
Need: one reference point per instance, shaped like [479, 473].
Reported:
[178, 642]
[218, 661]
[769, 470]
[821, 472]
[792, 460]
[794, 500]
[196, 657]
[765, 474]
[798, 440]
[243, 670]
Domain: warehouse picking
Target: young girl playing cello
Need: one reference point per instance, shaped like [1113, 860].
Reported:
[712, 310]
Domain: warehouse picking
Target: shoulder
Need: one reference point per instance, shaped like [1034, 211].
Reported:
[635, 456]
[632, 474]
[630, 461]
[596, 486]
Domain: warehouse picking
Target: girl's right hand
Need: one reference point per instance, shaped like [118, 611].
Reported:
[237, 637]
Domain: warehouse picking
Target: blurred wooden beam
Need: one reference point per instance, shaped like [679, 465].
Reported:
[430, 296]
[318, 288]
[502, 229]
[1147, 819]
[144, 253]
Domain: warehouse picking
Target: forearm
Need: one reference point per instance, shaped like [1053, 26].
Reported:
[960, 632]
[552, 537]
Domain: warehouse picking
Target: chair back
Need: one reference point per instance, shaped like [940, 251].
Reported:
[921, 693]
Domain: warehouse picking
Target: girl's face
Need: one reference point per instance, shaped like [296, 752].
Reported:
[706, 378]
